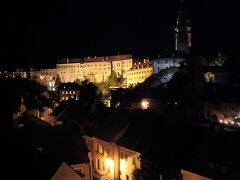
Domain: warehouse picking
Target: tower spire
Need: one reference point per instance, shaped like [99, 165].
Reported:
[183, 31]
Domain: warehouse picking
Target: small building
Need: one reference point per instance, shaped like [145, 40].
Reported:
[112, 161]
[69, 91]
[139, 73]
[111, 157]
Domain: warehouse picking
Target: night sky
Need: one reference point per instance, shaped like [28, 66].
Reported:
[37, 33]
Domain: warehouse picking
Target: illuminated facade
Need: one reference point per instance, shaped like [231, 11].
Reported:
[139, 73]
[111, 161]
[94, 69]
[70, 70]
[183, 32]
[121, 64]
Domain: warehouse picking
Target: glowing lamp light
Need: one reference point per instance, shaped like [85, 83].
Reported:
[232, 122]
[41, 77]
[225, 122]
[109, 164]
[145, 104]
[123, 165]
[221, 121]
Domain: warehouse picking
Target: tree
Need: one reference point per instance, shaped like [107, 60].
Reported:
[57, 81]
[112, 79]
[218, 59]
[120, 80]
[78, 81]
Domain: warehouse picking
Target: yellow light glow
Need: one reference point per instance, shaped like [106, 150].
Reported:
[123, 166]
[145, 104]
[109, 164]
[41, 77]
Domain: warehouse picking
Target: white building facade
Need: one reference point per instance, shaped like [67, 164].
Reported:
[164, 63]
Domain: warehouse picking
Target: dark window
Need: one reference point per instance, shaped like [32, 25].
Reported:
[97, 148]
[126, 157]
[98, 164]
[121, 155]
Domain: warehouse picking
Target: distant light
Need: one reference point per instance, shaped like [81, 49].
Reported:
[221, 121]
[225, 122]
[232, 122]
[145, 104]
[41, 77]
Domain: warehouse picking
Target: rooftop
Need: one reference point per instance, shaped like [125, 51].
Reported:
[96, 59]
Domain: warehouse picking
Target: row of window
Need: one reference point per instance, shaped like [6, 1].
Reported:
[100, 165]
[136, 78]
[168, 61]
[139, 72]
[68, 92]
[69, 66]
[66, 98]
[95, 70]
[100, 149]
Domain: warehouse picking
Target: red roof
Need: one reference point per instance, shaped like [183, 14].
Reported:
[97, 59]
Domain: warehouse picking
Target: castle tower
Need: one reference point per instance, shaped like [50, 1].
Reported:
[183, 31]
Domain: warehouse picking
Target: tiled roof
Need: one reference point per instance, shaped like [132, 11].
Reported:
[97, 59]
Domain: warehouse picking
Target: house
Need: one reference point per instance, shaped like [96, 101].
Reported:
[69, 91]
[63, 143]
[117, 143]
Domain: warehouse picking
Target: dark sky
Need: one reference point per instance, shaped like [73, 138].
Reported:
[37, 33]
